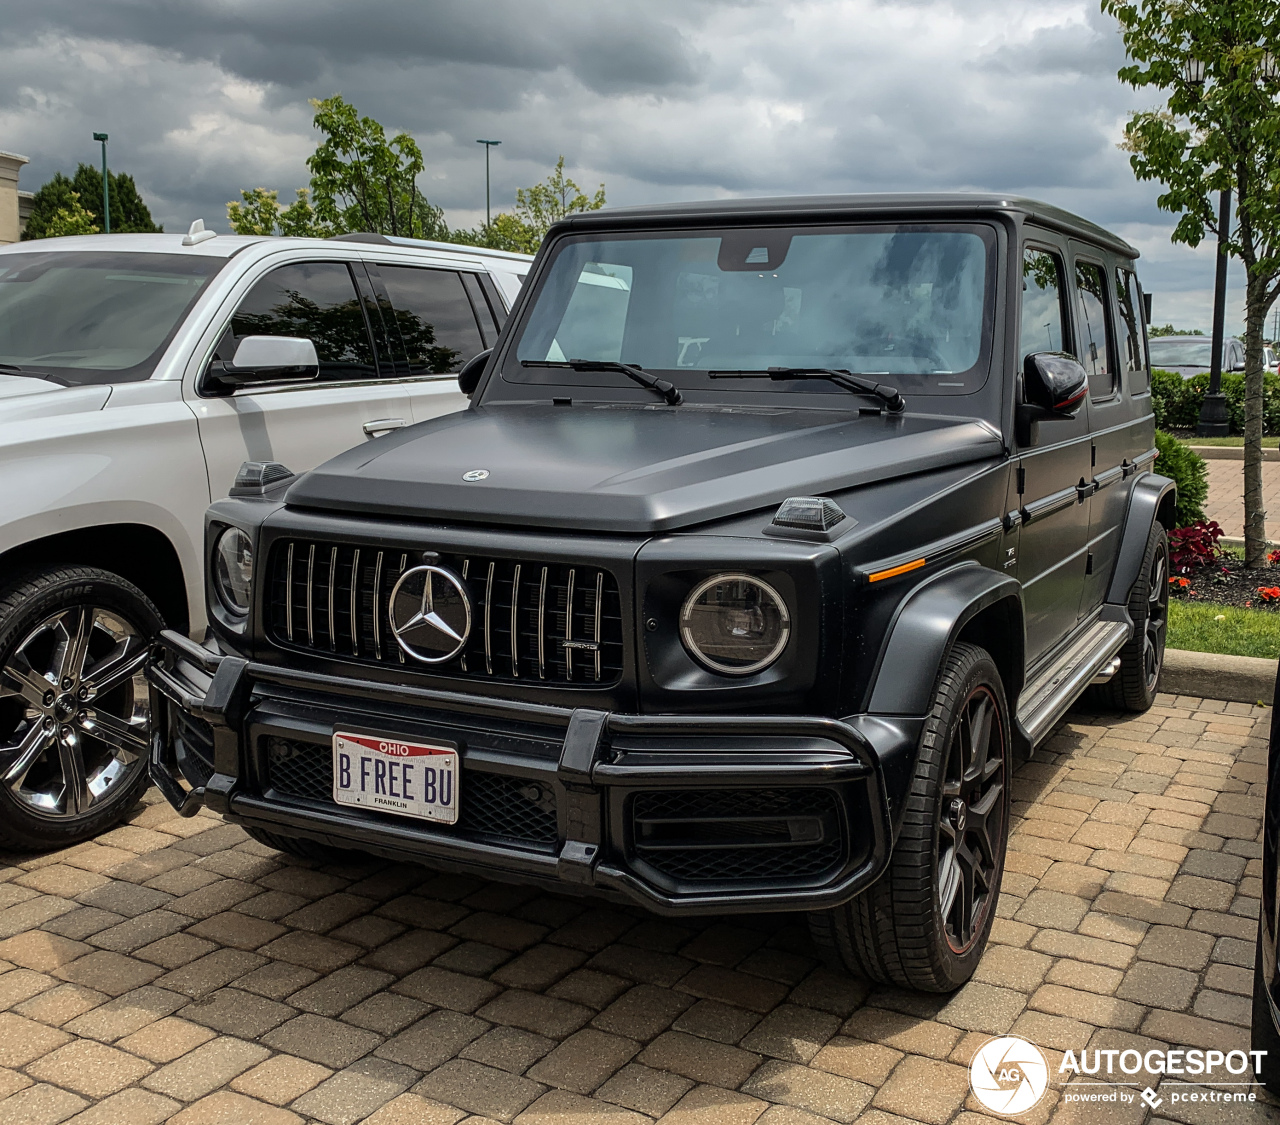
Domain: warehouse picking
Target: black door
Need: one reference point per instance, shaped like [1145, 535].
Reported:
[1052, 465]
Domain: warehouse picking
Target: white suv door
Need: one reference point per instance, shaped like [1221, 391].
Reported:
[328, 301]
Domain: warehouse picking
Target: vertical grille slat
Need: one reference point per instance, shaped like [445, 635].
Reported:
[531, 619]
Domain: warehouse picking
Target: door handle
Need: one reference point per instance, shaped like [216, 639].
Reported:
[383, 426]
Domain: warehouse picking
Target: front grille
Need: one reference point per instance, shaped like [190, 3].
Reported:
[493, 806]
[738, 835]
[531, 620]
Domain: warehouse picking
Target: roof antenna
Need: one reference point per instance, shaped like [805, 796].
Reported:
[197, 234]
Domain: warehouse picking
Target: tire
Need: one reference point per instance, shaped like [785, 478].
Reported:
[914, 927]
[1133, 687]
[1264, 1034]
[299, 846]
[74, 706]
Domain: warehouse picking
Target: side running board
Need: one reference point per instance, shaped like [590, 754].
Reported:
[1050, 695]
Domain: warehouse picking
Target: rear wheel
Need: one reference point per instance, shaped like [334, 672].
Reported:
[1265, 1036]
[74, 704]
[1134, 686]
[925, 923]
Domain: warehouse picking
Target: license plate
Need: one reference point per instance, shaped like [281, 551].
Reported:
[391, 775]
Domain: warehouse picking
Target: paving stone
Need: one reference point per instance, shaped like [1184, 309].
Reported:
[1090, 978]
[643, 965]
[354, 1093]
[125, 898]
[1052, 909]
[126, 1014]
[643, 1012]
[854, 1058]
[313, 951]
[902, 1032]
[81, 923]
[229, 1108]
[560, 1107]
[700, 1059]
[112, 973]
[41, 1104]
[474, 958]
[166, 1039]
[322, 1040]
[211, 972]
[1205, 894]
[709, 1105]
[792, 1033]
[234, 1012]
[409, 951]
[411, 1109]
[710, 1019]
[983, 1007]
[543, 1015]
[206, 1069]
[385, 1013]
[41, 951]
[240, 931]
[334, 993]
[591, 930]
[584, 1061]
[175, 951]
[828, 1095]
[586, 986]
[18, 985]
[540, 967]
[837, 993]
[427, 913]
[715, 983]
[433, 1039]
[280, 1079]
[139, 931]
[1159, 986]
[58, 1005]
[277, 979]
[508, 1048]
[128, 1107]
[479, 1089]
[925, 1090]
[446, 989]
[368, 931]
[644, 1089]
[89, 1068]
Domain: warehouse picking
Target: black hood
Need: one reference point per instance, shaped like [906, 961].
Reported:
[629, 468]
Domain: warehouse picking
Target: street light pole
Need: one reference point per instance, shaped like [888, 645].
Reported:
[106, 185]
[488, 217]
[1214, 420]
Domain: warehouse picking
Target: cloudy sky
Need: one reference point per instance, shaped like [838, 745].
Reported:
[669, 99]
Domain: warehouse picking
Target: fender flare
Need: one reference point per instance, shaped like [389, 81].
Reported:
[1151, 498]
[926, 625]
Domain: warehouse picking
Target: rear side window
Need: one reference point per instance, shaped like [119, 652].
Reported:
[1042, 318]
[313, 300]
[434, 318]
[1094, 348]
[1129, 335]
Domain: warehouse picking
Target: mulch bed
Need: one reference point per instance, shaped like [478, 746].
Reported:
[1229, 582]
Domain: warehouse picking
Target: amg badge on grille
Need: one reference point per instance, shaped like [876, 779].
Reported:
[430, 614]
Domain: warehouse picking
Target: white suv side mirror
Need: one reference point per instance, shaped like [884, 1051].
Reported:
[265, 359]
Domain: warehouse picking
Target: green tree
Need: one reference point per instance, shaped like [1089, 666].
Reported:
[360, 181]
[129, 213]
[1221, 132]
[539, 206]
[71, 219]
[259, 212]
[1169, 330]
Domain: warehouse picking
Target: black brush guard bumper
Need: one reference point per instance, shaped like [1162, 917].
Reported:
[604, 760]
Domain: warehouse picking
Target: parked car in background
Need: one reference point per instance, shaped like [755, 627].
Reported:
[1190, 355]
[1270, 359]
[137, 372]
[777, 530]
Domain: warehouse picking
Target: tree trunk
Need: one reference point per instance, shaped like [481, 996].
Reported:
[1255, 515]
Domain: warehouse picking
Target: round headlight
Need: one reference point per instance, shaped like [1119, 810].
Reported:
[233, 570]
[735, 624]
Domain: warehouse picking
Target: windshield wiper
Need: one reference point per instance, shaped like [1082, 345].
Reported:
[842, 378]
[669, 391]
[31, 373]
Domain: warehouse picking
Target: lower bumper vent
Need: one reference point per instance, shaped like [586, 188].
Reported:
[494, 807]
[738, 835]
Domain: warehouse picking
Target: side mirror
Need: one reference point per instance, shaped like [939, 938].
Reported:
[266, 359]
[1053, 387]
[469, 376]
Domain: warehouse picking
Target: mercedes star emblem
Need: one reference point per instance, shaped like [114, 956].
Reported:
[430, 613]
[476, 474]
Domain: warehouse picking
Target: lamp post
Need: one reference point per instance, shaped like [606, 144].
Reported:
[1214, 420]
[488, 145]
[106, 185]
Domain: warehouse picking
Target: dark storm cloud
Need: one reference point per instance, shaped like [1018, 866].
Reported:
[669, 99]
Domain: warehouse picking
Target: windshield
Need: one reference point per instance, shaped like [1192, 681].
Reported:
[95, 316]
[911, 302]
[1181, 353]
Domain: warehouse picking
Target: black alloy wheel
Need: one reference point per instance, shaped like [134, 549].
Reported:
[973, 821]
[1157, 624]
[74, 705]
[924, 924]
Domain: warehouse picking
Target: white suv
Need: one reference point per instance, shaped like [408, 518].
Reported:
[137, 373]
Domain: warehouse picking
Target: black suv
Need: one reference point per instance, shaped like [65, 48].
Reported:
[775, 531]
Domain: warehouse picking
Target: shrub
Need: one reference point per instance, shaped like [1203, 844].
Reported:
[1186, 468]
[1191, 548]
[1176, 401]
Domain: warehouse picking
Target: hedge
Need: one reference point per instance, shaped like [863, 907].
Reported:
[1186, 468]
[1176, 400]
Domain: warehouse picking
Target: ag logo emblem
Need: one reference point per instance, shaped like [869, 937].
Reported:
[1008, 1075]
[473, 475]
[430, 613]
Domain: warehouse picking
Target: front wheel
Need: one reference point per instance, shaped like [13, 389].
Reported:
[74, 721]
[925, 923]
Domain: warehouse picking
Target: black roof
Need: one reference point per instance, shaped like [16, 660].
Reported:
[833, 207]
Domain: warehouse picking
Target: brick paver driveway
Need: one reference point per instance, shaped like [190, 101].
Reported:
[175, 970]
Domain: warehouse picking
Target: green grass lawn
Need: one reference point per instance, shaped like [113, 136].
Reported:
[1242, 632]
[1238, 442]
